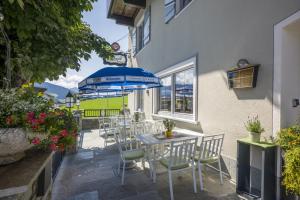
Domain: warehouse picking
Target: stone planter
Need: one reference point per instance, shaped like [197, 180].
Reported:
[13, 143]
[254, 137]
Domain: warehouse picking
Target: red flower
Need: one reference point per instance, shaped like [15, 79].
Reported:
[36, 141]
[53, 147]
[64, 133]
[54, 139]
[35, 127]
[9, 120]
[42, 115]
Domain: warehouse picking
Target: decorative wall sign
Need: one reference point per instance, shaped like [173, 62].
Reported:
[115, 46]
[119, 59]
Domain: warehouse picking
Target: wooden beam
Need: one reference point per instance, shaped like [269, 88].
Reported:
[136, 3]
[128, 21]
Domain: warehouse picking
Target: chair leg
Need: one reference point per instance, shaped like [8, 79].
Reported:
[194, 178]
[143, 164]
[154, 171]
[123, 174]
[220, 170]
[200, 176]
[171, 185]
[119, 166]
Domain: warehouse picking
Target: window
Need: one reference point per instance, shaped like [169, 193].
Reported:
[133, 41]
[177, 98]
[184, 91]
[170, 9]
[183, 3]
[173, 7]
[143, 31]
[165, 94]
[146, 27]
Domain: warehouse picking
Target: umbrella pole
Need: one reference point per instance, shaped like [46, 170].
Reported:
[124, 109]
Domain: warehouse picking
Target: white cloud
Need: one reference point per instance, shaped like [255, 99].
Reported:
[70, 81]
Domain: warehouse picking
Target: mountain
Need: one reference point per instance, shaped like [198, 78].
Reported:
[60, 91]
[75, 90]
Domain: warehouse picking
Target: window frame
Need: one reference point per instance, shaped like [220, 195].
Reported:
[178, 9]
[175, 10]
[139, 27]
[134, 41]
[187, 117]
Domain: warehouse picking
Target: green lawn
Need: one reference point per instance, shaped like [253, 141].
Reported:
[103, 103]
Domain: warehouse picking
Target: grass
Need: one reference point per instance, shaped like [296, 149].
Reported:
[103, 103]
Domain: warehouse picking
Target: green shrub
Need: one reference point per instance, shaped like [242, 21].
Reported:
[289, 140]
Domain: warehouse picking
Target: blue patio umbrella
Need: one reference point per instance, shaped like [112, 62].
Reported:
[119, 79]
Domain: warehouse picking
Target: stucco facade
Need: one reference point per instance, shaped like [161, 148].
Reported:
[218, 33]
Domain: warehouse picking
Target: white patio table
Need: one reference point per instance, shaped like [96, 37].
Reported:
[150, 140]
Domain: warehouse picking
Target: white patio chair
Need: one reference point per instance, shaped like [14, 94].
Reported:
[181, 158]
[129, 149]
[106, 130]
[209, 152]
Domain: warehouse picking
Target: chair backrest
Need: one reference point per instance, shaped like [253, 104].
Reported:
[182, 152]
[159, 126]
[120, 138]
[138, 128]
[211, 146]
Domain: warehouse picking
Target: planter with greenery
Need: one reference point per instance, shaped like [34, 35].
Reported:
[254, 127]
[169, 126]
[289, 140]
[27, 119]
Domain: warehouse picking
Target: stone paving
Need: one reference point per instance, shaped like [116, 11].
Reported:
[91, 175]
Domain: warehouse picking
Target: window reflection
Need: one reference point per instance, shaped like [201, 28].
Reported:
[184, 91]
[165, 94]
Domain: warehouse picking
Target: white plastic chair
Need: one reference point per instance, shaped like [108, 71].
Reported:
[209, 152]
[129, 150]
[181, 158]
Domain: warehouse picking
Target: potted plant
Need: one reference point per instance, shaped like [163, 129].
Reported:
[254, 127]
[169, 125]
[289, 140]
[27, 119]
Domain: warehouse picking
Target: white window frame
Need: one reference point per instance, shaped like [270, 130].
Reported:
[185, 117]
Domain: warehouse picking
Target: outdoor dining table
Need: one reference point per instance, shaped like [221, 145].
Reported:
[150, 140]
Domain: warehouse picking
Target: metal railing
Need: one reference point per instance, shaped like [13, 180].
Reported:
[100, 112]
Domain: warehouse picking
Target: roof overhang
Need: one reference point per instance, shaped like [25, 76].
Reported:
[124, 11]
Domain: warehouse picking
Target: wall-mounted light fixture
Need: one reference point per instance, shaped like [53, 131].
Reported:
[295, 103]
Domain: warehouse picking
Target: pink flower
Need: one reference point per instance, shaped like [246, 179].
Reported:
[54, 139]
[53, 147]
[30, 116]
[34, 121]
[64, 133]
[36, 141]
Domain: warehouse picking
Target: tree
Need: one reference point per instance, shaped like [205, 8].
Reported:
[47, 37]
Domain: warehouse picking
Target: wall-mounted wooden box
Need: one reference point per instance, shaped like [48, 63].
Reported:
[245, 77]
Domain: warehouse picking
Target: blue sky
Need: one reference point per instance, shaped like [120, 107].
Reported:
[104, 27]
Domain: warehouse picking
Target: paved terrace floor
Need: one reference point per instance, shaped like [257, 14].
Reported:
[91, 175]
